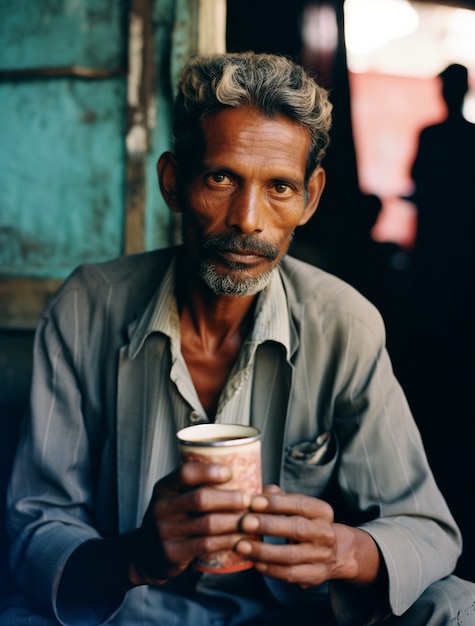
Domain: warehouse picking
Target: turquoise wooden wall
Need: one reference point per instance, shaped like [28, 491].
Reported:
[61, 136]
[62, 175]
[85, 100]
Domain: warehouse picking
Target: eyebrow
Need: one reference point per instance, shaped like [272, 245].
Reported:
[203, 167]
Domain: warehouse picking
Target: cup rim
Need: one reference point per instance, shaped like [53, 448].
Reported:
[186, 436]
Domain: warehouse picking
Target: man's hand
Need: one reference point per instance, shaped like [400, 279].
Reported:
[316, 549]
[187, 517]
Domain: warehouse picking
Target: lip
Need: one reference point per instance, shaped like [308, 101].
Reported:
[241, 256]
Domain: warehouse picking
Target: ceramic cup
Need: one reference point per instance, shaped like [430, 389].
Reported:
[238, 447]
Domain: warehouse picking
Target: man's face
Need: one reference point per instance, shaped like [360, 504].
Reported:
[245, 196]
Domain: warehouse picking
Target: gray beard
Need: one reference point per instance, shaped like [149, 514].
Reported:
[223, 284]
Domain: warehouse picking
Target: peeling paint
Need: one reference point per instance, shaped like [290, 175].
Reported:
[136, 43]
[46, 33]
[61, 197]
[136, 140]
[74, 188]
[89, 117]
[152, 112]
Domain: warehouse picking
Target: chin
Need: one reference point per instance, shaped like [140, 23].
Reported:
[232, 283]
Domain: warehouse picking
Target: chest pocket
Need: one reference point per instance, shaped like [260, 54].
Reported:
[308, 466]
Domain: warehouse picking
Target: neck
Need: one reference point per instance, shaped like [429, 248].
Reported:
[212, 317]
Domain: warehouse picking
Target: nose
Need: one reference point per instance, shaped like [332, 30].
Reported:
[245, 212]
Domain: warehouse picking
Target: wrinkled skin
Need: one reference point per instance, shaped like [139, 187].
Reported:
[188, 517]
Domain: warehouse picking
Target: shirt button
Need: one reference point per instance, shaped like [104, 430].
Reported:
[195, 417]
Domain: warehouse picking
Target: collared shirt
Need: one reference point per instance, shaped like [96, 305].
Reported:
[271, 323]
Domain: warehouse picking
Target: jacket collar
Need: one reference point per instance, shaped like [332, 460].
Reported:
[272, 320]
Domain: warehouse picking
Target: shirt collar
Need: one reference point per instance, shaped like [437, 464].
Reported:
[271, 319]
[161, 314]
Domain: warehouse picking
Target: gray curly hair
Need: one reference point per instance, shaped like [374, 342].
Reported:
[269, 83]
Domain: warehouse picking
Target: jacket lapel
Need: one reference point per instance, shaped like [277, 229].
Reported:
[137, 455]
[270, 399]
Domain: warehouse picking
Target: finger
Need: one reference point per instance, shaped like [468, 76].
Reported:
[292, 504]
[203, 525]
[196, 473]
[305, 575]
[294, 528]
[191, 475]
[286, 554]
[184, 551]
[272, 489]
[202, 500]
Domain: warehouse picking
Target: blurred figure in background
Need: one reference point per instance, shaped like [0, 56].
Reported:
[442, 337]
[443, 179]
[378, 269]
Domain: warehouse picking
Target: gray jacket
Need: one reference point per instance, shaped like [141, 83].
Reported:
[338, 380]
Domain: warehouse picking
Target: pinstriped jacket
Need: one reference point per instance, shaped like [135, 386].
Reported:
[81, 462]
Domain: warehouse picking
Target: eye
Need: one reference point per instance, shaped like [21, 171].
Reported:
[282, 189]
[219, 178]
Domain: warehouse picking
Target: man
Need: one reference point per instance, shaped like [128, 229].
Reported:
[105, 527]
[442, 173]
[440, 299]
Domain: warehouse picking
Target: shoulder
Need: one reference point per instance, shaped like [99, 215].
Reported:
[123, 270]
[309, 285]
[125, 283]
[325, 300]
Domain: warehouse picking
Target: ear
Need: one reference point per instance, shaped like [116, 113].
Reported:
[167, 179]
[315, 187]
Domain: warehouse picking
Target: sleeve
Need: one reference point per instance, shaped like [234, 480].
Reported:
[384, 479]
[50, 498]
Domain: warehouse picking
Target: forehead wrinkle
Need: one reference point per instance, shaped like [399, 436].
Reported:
[235, 138]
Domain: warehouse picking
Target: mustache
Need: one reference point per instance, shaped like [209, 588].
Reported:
[235, 243]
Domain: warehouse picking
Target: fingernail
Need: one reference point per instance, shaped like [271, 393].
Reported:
[246, 498]
[221, 472]
[243, 547]
[259, 503]
[250, 523]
